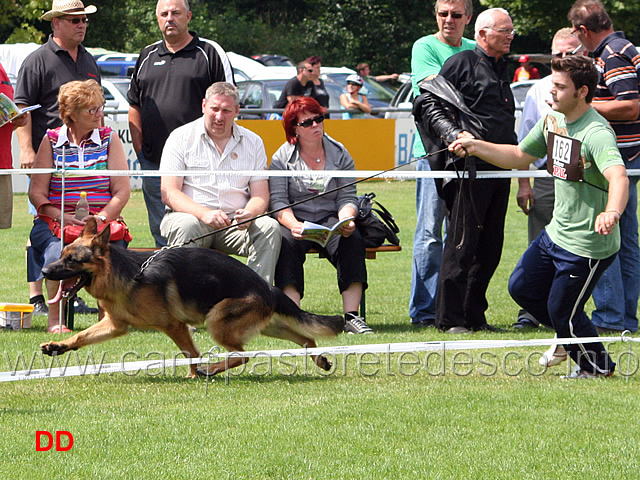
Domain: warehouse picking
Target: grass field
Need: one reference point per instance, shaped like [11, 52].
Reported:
[491, 415]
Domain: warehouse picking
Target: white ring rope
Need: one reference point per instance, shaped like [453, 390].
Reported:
[403, 174]
[215, 355]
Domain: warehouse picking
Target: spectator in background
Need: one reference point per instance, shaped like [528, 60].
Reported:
[353, 99]
[201, 204]
[313, 65]
[525, 71]
[309, 149]
[81, 143]
[477, 208]
[537, 203]
[167, 88]
[364, 70]
[427, 57]
[298, 86]
[616, 99]
[62, 59]
[6, 161]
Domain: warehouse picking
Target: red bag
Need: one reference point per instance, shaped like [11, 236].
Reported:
[119, 229]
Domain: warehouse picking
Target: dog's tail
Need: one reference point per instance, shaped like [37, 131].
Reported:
[308, 324]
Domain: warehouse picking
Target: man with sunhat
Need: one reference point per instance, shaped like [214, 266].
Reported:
[525, 71]
[62, 59]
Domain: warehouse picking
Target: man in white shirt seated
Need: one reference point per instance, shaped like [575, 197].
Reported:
[200, 204]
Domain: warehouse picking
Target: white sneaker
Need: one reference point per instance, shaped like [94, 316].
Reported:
[357, 325]
[554, 356]
[578, 373]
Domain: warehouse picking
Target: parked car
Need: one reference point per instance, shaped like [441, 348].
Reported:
[262, 94]
[403, 98]
[116, 64]
[115, 95]
[274, 60]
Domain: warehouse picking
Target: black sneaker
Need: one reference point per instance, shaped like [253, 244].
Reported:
[357, 325]
[40, 307]
[80, 307]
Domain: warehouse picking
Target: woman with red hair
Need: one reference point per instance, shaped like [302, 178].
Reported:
[308, 149]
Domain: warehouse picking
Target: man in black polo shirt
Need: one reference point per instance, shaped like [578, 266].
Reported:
[476, 208]
[62, 59]
[167, 88]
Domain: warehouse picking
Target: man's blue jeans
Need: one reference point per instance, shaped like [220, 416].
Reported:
[616, 293]
[427, 247]
[152, 199]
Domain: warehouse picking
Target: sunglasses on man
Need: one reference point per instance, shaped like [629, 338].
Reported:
[75, 20]
[456, 16]
[308, 123]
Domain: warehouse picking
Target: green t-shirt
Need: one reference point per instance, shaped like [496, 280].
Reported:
[427, 57]
[577, 204]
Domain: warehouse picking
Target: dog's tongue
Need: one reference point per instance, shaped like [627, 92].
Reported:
[58, 296]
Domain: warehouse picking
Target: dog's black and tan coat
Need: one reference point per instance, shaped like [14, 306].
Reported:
[180, 287]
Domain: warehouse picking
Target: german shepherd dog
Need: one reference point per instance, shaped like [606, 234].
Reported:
[180, 287]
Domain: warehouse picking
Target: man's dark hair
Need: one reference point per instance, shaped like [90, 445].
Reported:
[590, 14]
[581, 71]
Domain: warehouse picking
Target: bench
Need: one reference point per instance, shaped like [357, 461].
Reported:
[370, 254]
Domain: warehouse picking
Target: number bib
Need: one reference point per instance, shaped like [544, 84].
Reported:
[563, 157]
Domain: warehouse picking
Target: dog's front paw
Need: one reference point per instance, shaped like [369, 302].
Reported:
[52, 348]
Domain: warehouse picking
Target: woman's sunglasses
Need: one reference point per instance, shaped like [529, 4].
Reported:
[308, 123]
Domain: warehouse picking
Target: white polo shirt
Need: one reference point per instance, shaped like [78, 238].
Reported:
[190, 148]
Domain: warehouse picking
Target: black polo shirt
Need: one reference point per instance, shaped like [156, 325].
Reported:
[169, 88]
[40, 77]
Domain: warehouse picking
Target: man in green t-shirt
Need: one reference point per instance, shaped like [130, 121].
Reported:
[427, 57]
[556, 275]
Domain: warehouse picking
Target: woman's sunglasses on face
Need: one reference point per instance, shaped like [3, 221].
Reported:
[308, 123]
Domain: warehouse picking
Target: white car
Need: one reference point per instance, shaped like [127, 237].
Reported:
[115, 95]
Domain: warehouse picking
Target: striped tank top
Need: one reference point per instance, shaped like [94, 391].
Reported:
[91, 154]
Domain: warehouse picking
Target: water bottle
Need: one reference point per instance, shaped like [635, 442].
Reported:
[82, 207]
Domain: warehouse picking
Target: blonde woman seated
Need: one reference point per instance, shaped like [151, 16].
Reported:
[308, 149]
[353, 99]
[85, 144]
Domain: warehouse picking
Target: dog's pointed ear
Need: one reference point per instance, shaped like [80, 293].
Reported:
[104, 236]
[90, 228]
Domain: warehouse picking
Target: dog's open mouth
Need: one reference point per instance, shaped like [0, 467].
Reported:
[69, 287]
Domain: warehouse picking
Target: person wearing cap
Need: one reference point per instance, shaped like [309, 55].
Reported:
[61, 60]
[525, 71]
[353, 99]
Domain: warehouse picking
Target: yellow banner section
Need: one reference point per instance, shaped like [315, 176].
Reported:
[370, 141]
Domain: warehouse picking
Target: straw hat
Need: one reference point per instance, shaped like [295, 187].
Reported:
[67, 7]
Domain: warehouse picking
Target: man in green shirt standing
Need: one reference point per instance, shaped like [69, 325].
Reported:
[556, 275]
[427, 56]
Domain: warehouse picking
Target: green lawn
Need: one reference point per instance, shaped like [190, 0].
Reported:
[491, 415]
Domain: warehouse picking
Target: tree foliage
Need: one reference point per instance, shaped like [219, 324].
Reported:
[342, 32]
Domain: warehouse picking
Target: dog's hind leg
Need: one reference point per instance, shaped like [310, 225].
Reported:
[283, 331]
[105, 329]
[179, 333]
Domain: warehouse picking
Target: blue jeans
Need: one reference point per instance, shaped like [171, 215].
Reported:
[152, 199]
[427, 247]
[617, 291]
